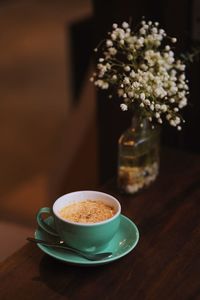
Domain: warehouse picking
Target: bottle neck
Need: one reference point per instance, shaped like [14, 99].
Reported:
[139, 122]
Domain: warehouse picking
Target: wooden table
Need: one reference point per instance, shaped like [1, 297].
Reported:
[164, 265]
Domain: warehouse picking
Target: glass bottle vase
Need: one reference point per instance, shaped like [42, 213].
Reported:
[138, 156]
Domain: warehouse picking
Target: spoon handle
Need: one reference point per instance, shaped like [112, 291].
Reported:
[56, 245]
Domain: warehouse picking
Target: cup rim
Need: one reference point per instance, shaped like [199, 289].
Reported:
[88, 224]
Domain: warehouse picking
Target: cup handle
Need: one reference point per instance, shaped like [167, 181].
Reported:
[42, 223]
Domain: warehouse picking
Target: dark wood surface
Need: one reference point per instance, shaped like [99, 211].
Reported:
[164, 265]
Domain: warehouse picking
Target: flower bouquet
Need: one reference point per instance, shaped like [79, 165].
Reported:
[140, 71]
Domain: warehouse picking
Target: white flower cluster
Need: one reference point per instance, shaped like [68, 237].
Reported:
[143, 71]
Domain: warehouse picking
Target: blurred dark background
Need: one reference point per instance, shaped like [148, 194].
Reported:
[58, 133]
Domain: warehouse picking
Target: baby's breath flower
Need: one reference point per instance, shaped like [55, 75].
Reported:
[114, 36]
[123, 106]
[132, 74]
[127, 68]
[147, 102]
[142, 70]
[172, 123]
[152, 107]
[136, 84]
[174, 40]
[109, 43]
[168, 117]
[164, 107]
[157, 115]
[126, 80]
[112, 51]
[125, 25]
[142, 31]
[129, 56]
[142, 96]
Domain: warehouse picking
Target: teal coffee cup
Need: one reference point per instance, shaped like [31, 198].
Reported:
[91, 237]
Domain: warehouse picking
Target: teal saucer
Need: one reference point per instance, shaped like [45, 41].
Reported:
[122, 243]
